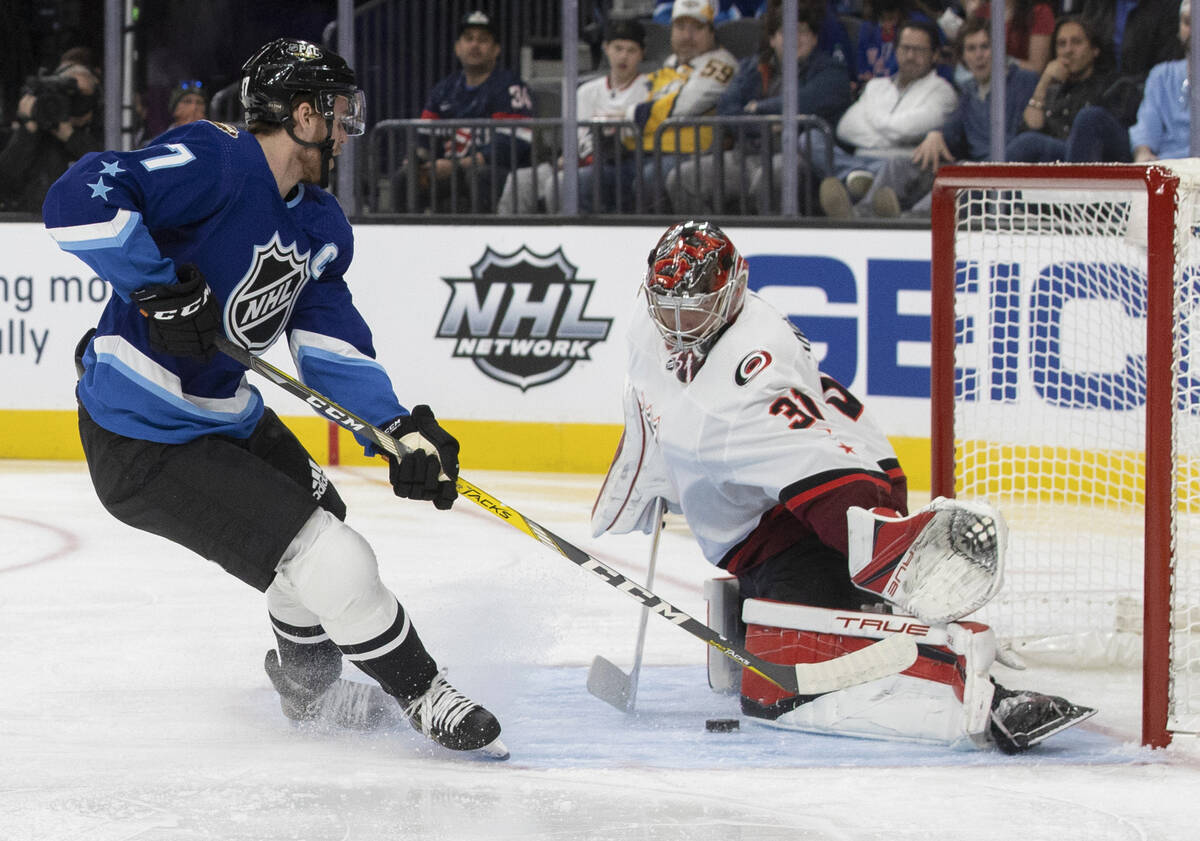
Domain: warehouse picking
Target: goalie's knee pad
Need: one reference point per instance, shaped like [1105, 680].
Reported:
[943, 698]
[331, 570]
[724, 617]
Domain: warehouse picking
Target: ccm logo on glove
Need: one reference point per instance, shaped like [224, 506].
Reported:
[184, 317]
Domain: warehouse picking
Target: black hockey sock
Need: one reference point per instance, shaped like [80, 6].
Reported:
[396, 658]
[314, 664]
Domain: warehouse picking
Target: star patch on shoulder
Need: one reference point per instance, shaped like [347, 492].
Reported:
[100, 189]
[110, 168]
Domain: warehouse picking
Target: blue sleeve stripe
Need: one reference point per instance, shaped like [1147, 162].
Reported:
[110, 234]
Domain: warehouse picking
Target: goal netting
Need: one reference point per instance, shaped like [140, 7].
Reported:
[1064, 297]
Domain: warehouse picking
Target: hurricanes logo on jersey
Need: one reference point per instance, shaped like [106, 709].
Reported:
[520, 317]
[261, 303]
[750, 366]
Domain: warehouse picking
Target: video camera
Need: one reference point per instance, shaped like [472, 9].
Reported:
[57, 99]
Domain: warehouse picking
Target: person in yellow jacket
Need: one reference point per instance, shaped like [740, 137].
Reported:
[688, 84]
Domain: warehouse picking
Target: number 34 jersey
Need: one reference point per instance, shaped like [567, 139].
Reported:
[758, 430]
[204, 194]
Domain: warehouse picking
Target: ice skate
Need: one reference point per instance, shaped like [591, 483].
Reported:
[454, 721]
[1021, 720]
[345, 703]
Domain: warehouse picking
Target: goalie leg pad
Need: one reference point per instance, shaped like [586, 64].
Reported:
[944, 698]
[724, 675]
[940, 564]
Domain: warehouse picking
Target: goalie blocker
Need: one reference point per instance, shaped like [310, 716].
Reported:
[947, 697]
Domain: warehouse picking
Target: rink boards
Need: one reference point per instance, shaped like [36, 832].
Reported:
[514, 335]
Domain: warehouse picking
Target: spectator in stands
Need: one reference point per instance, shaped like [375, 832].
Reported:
[55, 126]
[1028, 30]
[480, 159]
[187, 103]
[1141, 32]
[1079, 75]
[823, 90]
[1163, 127]
[903, 183]
[726, 10]
[688, 84]
[891, 116]
[879, 33]
[605, 97]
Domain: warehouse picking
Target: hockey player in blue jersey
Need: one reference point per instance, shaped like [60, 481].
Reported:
[215, 229]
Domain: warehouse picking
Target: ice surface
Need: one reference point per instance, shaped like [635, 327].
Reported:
[133, 705]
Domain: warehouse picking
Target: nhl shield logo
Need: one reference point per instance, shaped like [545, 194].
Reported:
[262, 301]
[520, 317]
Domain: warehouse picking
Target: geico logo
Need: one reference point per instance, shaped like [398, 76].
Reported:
[1066, 334]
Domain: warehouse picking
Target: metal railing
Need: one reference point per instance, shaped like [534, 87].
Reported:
[732, 165]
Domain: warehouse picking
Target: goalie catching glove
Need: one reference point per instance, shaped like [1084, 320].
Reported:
[430, 467]
[183, 318]
[940, 564]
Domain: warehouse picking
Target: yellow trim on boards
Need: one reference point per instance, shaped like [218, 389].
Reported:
[486, 445]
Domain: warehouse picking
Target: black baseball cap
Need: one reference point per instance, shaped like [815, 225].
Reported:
[479, 20]
[629, 29]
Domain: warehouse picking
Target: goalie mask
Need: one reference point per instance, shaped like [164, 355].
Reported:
[695, 285]
[286, 68]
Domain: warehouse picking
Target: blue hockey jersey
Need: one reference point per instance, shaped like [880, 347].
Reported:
[204, 194]
[501, 96]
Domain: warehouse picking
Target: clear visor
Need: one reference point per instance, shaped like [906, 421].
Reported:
[350, 110]
[686, 321]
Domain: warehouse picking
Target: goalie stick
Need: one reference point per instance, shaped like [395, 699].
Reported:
[605, 679]
[880, 659]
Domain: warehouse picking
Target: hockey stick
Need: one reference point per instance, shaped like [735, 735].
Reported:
[605, 679]
[887, 657]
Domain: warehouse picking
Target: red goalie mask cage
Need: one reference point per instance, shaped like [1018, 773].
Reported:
[1063, 392]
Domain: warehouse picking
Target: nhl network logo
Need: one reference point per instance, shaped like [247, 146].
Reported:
[520, 317]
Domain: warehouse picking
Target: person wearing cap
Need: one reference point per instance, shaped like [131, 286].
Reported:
[822, 89]
[688, 84]
[480, 89]
[187, 104]
[603, 98]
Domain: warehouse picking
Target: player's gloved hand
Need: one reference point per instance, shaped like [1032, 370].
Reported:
[184, 317]
[430, 469]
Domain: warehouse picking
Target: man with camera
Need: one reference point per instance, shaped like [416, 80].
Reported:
[53, 128]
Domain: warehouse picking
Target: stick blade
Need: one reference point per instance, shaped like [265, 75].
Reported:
[887, 657]
[607, 682]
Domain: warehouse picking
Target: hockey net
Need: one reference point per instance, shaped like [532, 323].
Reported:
[1064, 297]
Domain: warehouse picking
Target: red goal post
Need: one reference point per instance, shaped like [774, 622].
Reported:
[1063, 391]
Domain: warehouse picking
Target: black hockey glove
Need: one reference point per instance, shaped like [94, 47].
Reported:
[431, 468]
[184, 317]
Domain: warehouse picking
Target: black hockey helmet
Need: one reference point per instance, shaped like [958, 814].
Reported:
[289, 66]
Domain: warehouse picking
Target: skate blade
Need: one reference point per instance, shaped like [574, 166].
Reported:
[494, 749]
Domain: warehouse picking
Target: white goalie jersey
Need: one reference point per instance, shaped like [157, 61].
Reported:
[758, 426]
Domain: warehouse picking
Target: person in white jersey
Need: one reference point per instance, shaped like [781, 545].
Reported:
[792, 490]
[604, 97]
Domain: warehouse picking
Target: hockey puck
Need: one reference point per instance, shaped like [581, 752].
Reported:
[721, 725]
